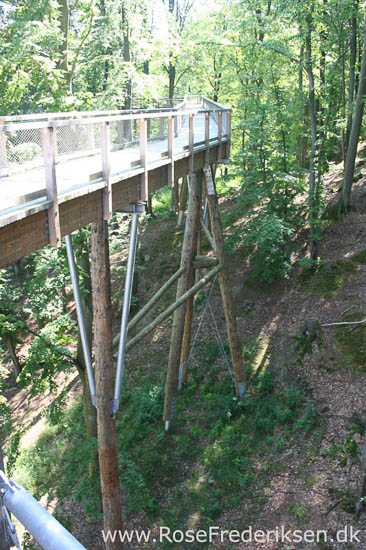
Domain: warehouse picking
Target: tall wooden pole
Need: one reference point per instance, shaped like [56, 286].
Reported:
[186, 344]
[188, 254]
[227, 299]
[104, 377]
[183, 201]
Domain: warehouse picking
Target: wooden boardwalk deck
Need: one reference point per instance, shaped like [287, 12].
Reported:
[74, 182]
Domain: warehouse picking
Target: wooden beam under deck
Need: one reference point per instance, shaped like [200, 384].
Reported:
[26, 235]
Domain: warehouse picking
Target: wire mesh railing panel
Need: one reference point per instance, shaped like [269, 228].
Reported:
[213, 125]
[124, 133]
[157, 138]
[78, 143]
[199, 128]
[78, 155]
[77, 138]
[181, 127]
[21, 150]
[125, 148]
[224, 123]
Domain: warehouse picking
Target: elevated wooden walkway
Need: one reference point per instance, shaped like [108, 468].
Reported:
[59, 171]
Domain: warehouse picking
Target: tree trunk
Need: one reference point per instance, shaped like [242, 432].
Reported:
[352, 70]
[127, 125]
[64, 19]
[225, 287]
[107, 51]
[354, 135]
[105, 375]
[11, 343]
[82, 261]
[171, 74]
[312, 111]
[188, 253]
[90, 413]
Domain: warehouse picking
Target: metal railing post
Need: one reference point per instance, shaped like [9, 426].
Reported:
[228, 133]
[106, 161]
[80, 316]
[46, 530]
[171, 179]
[49, 151]
[125, 312]
[143, 160]
[219, 134]
[191, 145]
[207, 137]
[4, 166]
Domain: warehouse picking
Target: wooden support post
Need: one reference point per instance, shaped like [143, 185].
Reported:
[183, 201]
[143, 160]
[228, 133]
[106, 161]
[191, 145]
[188, 254]
[219, 134]
[208, 235]
[104, 377]
[207, 137]
[171, 182]
[231, 324]
[175, 197]
[49, 151]
[187, 335]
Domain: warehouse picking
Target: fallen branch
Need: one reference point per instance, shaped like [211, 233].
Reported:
[332, 507]
[347, 310]
[345, 323]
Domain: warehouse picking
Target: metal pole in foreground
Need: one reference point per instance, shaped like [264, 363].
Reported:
[46, 530]
[125, 313]
[80, 315]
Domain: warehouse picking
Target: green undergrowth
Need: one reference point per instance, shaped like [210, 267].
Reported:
[327, 280]
[217, 453]
[359, 258]
[161, 202]
[351, 341]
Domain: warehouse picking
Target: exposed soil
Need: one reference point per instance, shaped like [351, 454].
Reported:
[311, 488]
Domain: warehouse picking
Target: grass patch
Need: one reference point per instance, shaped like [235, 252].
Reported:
[352, 343]
[359, 258]
[328, 279]
[162, 201]
[206, 465]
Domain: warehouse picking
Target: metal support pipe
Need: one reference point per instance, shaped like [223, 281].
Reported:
[125, 313]
[80, 316]
[205, 212]
[46, 530]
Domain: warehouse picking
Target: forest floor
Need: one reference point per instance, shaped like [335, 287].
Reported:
[290, 456]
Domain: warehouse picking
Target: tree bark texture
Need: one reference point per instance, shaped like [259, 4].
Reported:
[104, 377]
[188, 254]
[354, 135]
